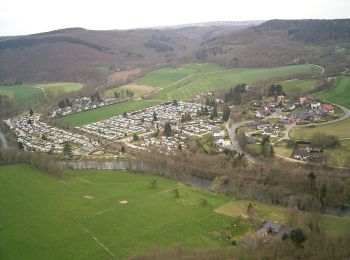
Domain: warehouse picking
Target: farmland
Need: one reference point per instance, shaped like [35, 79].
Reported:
[21, 93]
[107, 112]
[55, 89]
[339, 93]
[28, 93]
[191, 79]
[138, 90]
[340, 129]
[300, 85]
[103, 214]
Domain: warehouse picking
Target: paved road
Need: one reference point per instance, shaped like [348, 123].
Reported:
[234, 142]
[235, 145]
[292, 126]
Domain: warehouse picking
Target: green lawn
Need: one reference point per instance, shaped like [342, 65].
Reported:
[339, 93]
[98, 114]
[339, 156]
[22, 93]
[54, 89]
[332, 225]
[80, 217]
[187, 80]
[340, 129]
[301, 85]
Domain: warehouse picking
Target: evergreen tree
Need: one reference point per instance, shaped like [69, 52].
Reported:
[167, 129]
[225, 113]
[155, 118]
[67, 150]
[31, 112]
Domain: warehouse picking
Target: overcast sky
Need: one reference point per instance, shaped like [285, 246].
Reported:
[33, 16]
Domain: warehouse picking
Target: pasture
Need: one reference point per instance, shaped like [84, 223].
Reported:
[55, 89]
[339, 129]
[339, 93]
[298, 85]
[105, 112]
[21, 93]
[191, 79]
[30, 93]
[91, 214]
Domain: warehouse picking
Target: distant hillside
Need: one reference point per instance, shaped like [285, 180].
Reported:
[98, 57]
[77, 54]
[282, 42]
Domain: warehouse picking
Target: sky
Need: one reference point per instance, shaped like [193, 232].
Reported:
[19, 17]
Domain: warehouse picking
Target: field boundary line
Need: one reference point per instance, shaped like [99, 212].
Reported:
[99, 242]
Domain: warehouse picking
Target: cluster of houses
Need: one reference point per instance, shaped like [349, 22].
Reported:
[262, 128]
[183, 117]
[303, 151]
[267, 228]
[35, 135]
[311, 110]
[162, 144]
[79, 104]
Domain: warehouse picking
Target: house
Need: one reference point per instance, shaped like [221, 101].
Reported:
[301, 155]
[315, 105]
[263, 112]
[328, 108]
[261, 233]
[272, 227]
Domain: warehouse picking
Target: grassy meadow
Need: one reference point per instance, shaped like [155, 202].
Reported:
[207, 81]
[30, 93]
[340, 129]
[81, 216]
[339, 93]
[99, 114]
[21, 93]
[300, 85]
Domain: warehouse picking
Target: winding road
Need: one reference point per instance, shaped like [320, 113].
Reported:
[234, 126]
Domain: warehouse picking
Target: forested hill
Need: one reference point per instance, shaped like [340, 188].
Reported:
[283, 42]
[311, 31]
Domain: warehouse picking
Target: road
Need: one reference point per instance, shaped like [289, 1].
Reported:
[234, 142]
[235, 145]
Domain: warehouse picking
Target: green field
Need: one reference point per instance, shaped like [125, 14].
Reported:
[28, 93]
[80, 216]
[138, 90]
[98, 114]
[55, 89]
[340, 129]
[300, 85]
[191, 79]
[339, 93]
[22, 93]
[339, 156]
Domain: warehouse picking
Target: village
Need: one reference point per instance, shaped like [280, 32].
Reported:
[35, 135]
[276, 116]
[146, 128]
[74, 105]
[166, 127]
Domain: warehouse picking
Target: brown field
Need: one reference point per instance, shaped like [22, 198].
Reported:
[122, 76]
[139, 90]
